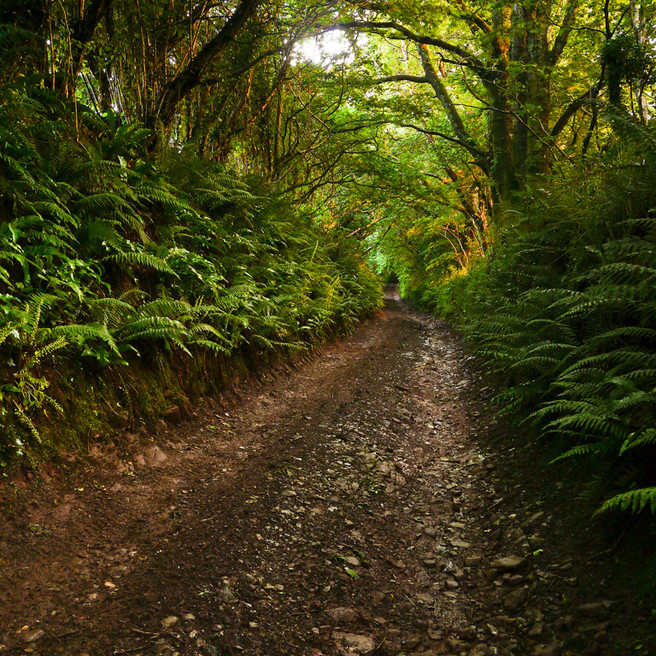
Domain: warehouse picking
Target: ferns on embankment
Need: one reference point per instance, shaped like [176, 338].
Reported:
[109, 258]
[564, 314]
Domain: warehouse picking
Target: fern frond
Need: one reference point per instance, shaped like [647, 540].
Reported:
[111, 311]
[623, 333]
[588, 423]
[48, 349]
[646, 437]
[6, 331]
[27, 422]
[580, 450]
[86, 331]
[151, 328]
[212, 346]
[142, 259]
[626, 357]
[634, 501]
[165, 307]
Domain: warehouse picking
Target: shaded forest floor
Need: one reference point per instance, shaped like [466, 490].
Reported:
[352, 505]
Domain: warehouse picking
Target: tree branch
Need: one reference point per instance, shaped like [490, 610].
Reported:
[473, 18]
[564, 32]
[363, 126]
[82, 32]
[456, 122]
[190, 77]
[417, 79]
[469, 57]
[574, 106]
[480, 155]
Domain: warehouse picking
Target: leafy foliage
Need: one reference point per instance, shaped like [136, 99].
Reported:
[178, 180]
[564, 315]
[109, 259]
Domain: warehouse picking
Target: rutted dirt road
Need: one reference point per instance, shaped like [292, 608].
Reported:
[345, 507]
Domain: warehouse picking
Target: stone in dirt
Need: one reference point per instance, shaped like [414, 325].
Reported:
[173, 414]
[154, 456]
[516, 598]
[353, 643]
[508, 563]
[169, 621]
[515, 579]
[228, 595]
[533, 518]
[456, 645]
[34, 635]
[466, 633]
[384, 468]
[480, 650]
[594, 609]
[536, 630]
[547, 650]
[599, 630]
[411, 642]
[591, 649]
[343, 615]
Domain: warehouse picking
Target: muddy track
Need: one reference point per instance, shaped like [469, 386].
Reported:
[345, 507]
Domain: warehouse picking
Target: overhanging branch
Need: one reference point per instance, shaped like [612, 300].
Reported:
[574, 106]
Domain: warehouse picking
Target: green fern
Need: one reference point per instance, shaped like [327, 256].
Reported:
[634, 501]
[582, 450]
[566, 320]
[109, 254]
[645, 437]
[146, 260]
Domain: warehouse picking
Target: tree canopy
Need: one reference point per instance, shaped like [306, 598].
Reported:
[501, 92]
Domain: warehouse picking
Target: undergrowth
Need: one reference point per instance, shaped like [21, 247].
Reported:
[109, 256]
[564, 316]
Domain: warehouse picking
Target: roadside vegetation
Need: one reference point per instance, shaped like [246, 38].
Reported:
[116, 264]
[519, 203]
[564, 316]
[185, 185]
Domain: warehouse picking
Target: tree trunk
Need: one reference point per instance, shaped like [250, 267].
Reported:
[638, 25]
[81, 33]
[538, 87]
[518, 56]
[500, 115]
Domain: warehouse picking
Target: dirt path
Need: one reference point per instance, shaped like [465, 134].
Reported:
[344, 508]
